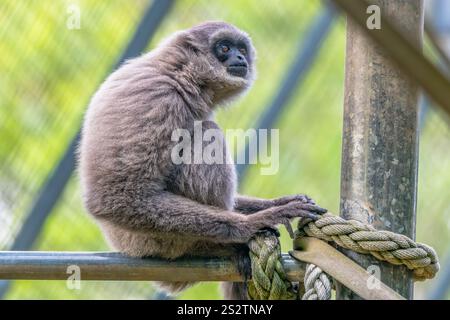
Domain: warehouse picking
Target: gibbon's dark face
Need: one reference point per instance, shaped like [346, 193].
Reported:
[233, 55]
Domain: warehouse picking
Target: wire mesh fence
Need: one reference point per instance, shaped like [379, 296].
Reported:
[50, 66]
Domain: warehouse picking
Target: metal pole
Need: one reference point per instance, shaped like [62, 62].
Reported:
[380, 138]
[40, 265]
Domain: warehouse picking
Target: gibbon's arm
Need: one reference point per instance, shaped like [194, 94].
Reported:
[166, 212]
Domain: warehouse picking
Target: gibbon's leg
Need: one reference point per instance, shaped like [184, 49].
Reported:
[167, 212]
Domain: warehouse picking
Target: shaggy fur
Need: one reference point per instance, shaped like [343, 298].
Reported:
[145, 204]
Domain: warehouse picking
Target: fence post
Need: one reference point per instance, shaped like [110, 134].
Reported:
[380, 139]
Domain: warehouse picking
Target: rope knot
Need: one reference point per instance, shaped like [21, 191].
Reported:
[387, 246]
[269, 280]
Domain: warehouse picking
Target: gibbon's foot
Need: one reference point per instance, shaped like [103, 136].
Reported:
[270, 218]
[302, 198]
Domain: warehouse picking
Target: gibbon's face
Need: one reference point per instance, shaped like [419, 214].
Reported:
[225, 59]
[233, 54]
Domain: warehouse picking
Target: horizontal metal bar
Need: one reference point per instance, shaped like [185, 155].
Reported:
[42, 265]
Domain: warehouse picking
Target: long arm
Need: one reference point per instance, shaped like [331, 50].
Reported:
[168, 213]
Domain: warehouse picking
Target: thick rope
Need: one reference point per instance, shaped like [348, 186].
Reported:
[268, 276]
[317, 284]
[269, 280]
[387, 246]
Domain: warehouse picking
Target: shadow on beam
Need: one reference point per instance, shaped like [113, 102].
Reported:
[41, 265]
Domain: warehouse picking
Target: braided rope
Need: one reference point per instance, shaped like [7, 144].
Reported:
[317, 284]
[387, 246]
[268, 276]
[269, 280]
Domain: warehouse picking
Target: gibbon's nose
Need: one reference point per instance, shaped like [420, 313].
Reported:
[238, 60]
[237, 65]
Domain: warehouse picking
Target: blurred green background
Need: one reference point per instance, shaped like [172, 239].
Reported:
[48, 73]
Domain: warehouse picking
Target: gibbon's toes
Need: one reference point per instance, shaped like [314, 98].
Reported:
[313, 208]
[295, 206]
[309, 215]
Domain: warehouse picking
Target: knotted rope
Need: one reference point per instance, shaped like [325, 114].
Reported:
[269, 279]
[387, 246]
[268, 276]
[317, 284]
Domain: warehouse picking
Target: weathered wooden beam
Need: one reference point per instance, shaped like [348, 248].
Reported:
[41, 265]
[379, 154]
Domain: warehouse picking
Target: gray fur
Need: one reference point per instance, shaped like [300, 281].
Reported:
[145, 204]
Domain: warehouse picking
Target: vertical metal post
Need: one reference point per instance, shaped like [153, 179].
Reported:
[380, 139]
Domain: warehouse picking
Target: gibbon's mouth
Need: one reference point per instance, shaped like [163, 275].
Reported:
[238, 70]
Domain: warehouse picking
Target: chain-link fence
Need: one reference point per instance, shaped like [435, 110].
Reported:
[54, 54]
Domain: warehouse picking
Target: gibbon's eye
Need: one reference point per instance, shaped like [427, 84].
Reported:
[224, 48]
[243, 51]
